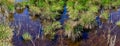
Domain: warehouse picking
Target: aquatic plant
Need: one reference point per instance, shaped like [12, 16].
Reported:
[35, 10]
[94, 9]
[49, 29]
[81, 12]
[77, 33]
[73, 13]
[5, 43]
[8, 4]
[72, 31]
[10, 17]
[6, 32]
[105, 15]
[118, 23]
[5, 35]
[87, 19]
[27, 36]
[51, 10]
[115, 3]
[106, 3]
[68, 29]
[44, 7]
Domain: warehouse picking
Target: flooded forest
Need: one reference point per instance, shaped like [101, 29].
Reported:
[59, 22]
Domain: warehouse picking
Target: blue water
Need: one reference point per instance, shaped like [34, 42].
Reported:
[84, 35]
[64, 16]
[35, 27]
[114, 16]
[99, 23]
[20, 0]
[22, 24]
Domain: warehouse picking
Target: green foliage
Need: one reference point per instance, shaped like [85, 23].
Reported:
[77, 32]
[78, 28]
[68, 28]
[8, 4]
[5, 32]
[5, 43]
[118, 23]
[48, 8]
[83, 10]
[5, 35]
[35, 9]
[73, 29]
[56, 25]
[87, 18]
[49, 29]
[105, 3]
[27, 36]
[105, 15]
[115, 3]
[11, 7]
[74, 14]
[40, 3]
[94, 9]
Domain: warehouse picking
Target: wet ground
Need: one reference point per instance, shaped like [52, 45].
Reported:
[97, 37]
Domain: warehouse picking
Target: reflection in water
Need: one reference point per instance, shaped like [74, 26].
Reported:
[99, 23]
[22, 23]
[64, 16]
